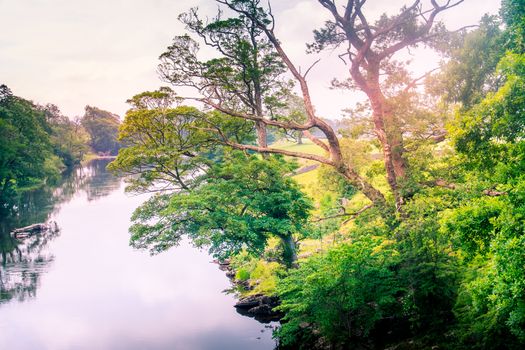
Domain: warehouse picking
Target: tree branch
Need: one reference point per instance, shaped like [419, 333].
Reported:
[352, 215]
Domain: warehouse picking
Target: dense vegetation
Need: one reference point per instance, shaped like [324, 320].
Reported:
[102, 127]
[414, 235]
[39, 142]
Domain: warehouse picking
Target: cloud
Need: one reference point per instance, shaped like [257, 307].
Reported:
[101, 52]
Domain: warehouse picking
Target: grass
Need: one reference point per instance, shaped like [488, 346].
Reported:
[306, 147]
[308, 182]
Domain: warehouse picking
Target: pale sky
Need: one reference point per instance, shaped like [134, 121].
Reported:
[102, 52]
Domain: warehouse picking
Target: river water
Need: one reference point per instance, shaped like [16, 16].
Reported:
[86, 288]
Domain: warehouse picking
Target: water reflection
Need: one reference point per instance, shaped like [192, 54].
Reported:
[22, 261]
[98, 293]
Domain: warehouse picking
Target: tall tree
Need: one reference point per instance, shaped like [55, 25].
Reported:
[245, 75]
[368, 49]
[102, 127]
[26, 154]
[226, 201]
[228, 84]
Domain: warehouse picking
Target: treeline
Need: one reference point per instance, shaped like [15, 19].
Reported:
[412, 234]
[39, 142]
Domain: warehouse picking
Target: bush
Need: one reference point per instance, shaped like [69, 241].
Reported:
[340, 295]
[242, 275]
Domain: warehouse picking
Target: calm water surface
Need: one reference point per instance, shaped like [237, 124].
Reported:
[85, 288]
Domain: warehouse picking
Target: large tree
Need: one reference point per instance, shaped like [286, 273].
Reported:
[368, 49]
[239, 204]
[225, 201]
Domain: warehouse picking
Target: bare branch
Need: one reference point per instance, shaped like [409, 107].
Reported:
[352, 215]
[280, 151]
[315, 140]
[285, 125]
[309, 68]
[414, 82]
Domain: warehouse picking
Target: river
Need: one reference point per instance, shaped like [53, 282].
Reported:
[86, 288]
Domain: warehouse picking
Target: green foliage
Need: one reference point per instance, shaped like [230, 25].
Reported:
[472, 225]
[264, 277]
[341, 294]
[69, 138]
[513, 14]
[470, 74]
[102, 127]
[492, 131]
[491, 305]
[171, 147]
[242, 275]
[429, 267]
[489, 231]
[239, 204]
[26, 152]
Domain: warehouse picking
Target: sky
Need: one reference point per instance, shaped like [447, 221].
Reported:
[74, 53]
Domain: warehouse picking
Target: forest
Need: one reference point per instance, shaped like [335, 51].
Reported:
[410, 232]
[39, 143]
[399, 224]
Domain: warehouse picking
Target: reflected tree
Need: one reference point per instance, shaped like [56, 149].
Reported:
[22, 261]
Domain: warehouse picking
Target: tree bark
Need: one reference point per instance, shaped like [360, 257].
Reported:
[386, 128]
[262, 140]
[289, 250]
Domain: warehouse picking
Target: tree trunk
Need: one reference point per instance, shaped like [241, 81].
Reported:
[389, 134]
[262, 140]
[289, 250]
[299, 138]
[386, 128]
[368, 190]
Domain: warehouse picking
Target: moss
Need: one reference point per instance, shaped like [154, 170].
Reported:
[242, 274]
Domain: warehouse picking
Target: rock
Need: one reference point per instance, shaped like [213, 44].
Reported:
[261, 307]
[249, 302]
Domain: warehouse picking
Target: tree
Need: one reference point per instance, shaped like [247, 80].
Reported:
[169, 147]
[370, 51]
[222, 200]
[244, 77]
[26, 156]
[102, 127]
[68, 137]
